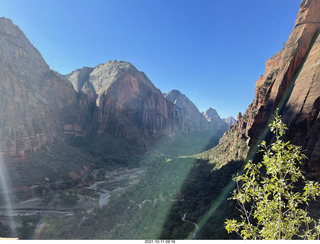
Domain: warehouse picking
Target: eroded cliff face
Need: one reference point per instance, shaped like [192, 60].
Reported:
[133, 106]
[291, 84]
[301, 111]
[193, 119]
[33, 99]
[295, 90]
[21, 69]
[230, 120]
[127, 103]
[39, 105]
[215, 121]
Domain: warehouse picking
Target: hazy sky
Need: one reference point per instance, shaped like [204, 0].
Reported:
[212, 51]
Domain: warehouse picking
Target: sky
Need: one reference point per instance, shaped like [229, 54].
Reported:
[212, 51]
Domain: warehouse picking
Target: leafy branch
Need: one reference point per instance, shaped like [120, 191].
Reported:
[269, 203]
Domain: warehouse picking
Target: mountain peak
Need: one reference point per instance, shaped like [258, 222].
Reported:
[181, 101]
[230, 120]
[15, 48]
[104, 75]
[173, 95]
[211, 114]
[7, 26]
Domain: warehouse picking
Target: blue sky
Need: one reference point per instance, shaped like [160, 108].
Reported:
[212, 51]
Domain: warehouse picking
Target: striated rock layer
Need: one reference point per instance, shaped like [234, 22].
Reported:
[192, 119]
[291, 84]
[126, 102]
[295, 90]
[187, 110]
[34, 101]
[112, 100]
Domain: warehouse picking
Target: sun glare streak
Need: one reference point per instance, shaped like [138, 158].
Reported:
[5, 183]
[252, 152]
[226, 191]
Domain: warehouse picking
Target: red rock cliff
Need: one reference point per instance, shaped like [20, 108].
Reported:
[35, 102]
[295, 90]
[292, 84]
[127, 103]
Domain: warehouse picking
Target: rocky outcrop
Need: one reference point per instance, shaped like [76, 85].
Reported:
[230, 120]
[127, 103]
[234, 145]
[192, 119]
[215, 121]
[211, 114]
[34, 100]
[39, 105]
[291, 84]
[295, 90]
[301, 111]
[132, 105]
[19, 130]
[190, 114]
[25, 125]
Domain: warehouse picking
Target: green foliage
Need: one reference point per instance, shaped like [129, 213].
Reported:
[68, 198]
[270, 205]
[28, 224]
[101, 174]
[201, 188]
[152, 207]
[232, 147]
[4, 230]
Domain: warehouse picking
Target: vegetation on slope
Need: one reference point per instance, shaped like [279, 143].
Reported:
[270, 205]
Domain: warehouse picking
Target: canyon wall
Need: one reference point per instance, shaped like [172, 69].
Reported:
[39, 106]
[291, 83]
[34, 100]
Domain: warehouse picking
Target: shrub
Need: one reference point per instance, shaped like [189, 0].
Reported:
[270, 205]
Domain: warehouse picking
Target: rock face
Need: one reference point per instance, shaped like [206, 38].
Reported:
[230, 120]
[126, 102]
[295, 90]
[211, 114]
[192, 119]
[39, 105]
[33, 99]
[292, 84]
[215, 120]
[19, 130]
[187, 110]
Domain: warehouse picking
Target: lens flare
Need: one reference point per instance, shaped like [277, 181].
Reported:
[4, 187]
[254, 149]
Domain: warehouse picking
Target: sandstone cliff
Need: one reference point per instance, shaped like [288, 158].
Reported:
[39, 106]
[230, 120]
[35, 101]
[127, 103]
[193, 120]
[291, 83]
[214, 120]
[192, 117]
[211, 114]
[295, 90]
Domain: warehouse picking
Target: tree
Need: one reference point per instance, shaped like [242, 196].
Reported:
[270, 204]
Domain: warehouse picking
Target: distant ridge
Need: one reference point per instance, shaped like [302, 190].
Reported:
[230, 120]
